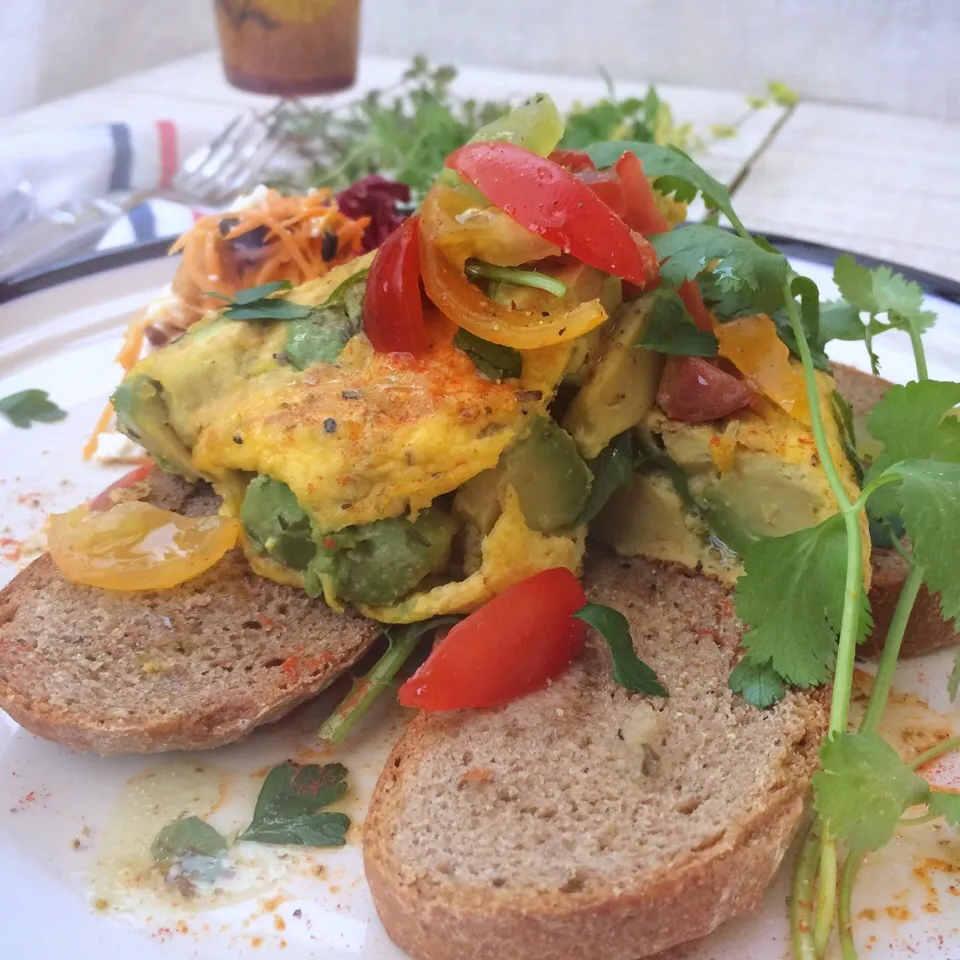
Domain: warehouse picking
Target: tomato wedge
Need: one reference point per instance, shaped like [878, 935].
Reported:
[392, 305]
[607, 186]
[693, 390]
[573, 160]
[553, 203]
[103, 500]
[642, 213]
[689, 293]
[511, 646]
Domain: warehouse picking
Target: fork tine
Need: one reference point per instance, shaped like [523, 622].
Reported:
[223, 150]
[238, 164]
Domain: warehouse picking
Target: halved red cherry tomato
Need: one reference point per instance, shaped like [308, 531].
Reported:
[573, 160]
[607, 186]
[553, 203]
[392, 305]
[103, 500]
[511, 646]
[694, 390]
[642, 212]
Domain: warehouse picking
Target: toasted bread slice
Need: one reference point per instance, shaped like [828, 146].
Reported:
[190, 668]
[584, 820]
[926, 628]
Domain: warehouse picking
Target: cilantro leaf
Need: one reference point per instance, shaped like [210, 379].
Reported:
[839, 320]
[288, 807]
[259, 303]
[688, 251]
[493, 360]
[791, 596]
[880, 290]
[759, 683]
[929, 496]
[628, 669]
[953, 684]
[863, 789]
[189, 835]
[612, 469]
[947, 805]
[30, 406]
[670, 329]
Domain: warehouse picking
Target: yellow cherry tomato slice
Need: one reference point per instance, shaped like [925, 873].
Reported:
[751, 344]
[136, 546]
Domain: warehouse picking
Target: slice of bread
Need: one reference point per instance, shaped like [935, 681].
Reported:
[586, 821]
[189, 668]
[926, 628]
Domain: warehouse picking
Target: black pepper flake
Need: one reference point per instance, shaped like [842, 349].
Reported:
[544, 313]
[561, 331]
[329, 425]
[815, 460]
[328, 245]
[620, 734]
[298, 913]
[345, 505]
[281, 358]
[529, 396]
[351, 394]
[238, 440]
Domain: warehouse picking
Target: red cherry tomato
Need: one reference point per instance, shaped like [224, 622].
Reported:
[512, 645]
[573, 160]
[689, 293]
[694, 390]
[642, 213]
[392, 305]
[103, 501]
[554, 204]
[607, 186]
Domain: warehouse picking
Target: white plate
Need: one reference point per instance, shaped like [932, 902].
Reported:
[57, 806]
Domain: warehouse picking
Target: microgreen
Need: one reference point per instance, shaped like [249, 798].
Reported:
[30, 406]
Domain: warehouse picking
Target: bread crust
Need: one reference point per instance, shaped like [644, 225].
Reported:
[433, 919]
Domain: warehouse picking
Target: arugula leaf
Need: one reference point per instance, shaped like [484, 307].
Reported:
[947, 805]
[791, 596]
[670, 329]
[929, 495]
[628, 669]
[189, 835]
[288, 807]
[402, 640]
[259, 303]
[740, 264]
[759, 683]
[493, 360]
[612, 469]
[953, 684]
[863, 789]
[30, 406]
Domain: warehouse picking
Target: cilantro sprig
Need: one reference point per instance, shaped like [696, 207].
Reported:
[262, 303]
[28, 407]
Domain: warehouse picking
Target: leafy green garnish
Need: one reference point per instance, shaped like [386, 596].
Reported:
[628, 669]
[863, 789]
[946, 805]
[516, 277]
[189, 835]
[671, 329]
[612, 470]
[953, 684]
[493, 360]
[259, 303]
[792, 598]
[402, 640]
[289, 805]
[759, 684]
[30, 406]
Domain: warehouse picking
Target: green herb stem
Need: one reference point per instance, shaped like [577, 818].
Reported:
[919, 821]
[802, 896]
[851, 868]
[919, 354]
[826, 895]
[891, 650]
[945, 746]
[519, 278]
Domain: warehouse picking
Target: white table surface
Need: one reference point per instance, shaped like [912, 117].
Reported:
[869, 181]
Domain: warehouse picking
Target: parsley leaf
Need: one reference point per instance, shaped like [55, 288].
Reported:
[759, 683]
[628, 669]
[612, 469]
[863, 788]
[493, 360]
[953, 684]
[947, 805]
[688, 251]
[791, 596]
[288, 807]
[185, 836]
[259, 303]
[30, 406]
[670, 329]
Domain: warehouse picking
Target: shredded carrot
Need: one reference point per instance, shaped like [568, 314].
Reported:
[292, 250]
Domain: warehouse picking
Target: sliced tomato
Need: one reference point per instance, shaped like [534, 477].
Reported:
[642, 213]
[511, 646]
[573, 160]
[103, 500]
[554, 204]
[392, 305]
[689, 292]
[607, 186]
[694, 390]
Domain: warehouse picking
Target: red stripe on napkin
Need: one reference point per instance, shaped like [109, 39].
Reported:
[167, 131]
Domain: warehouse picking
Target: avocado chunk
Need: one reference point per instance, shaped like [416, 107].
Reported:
[321, 337]
[379, 563]
[276, 524]
[143, 416]
[549, 476]
[620, 385]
